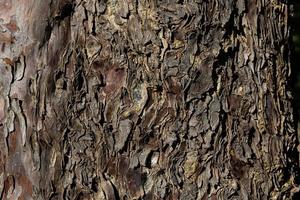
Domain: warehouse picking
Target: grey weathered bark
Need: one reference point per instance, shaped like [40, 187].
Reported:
[106, 99]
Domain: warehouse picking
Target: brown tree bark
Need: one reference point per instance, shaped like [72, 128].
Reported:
[149, 99]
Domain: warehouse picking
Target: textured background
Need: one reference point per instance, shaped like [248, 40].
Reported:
[106, 99]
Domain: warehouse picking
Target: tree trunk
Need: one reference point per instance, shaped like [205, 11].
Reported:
[149, 99]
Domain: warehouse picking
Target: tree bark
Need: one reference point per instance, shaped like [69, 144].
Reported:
[149, 99]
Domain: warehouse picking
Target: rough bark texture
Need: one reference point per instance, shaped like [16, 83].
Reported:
[149, 99]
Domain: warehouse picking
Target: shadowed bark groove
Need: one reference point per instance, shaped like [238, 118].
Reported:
[149, 99]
